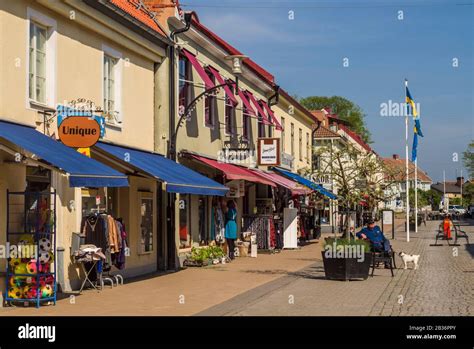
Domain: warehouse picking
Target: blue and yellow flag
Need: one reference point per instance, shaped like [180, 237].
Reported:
[417, 127]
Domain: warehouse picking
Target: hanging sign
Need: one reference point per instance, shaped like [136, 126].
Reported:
[79, 132]
[236, 188]
[269, 151]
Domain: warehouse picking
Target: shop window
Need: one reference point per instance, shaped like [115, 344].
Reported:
[184, 221]
[229, 113]
[146, 222]
[93, 201]
[210, 104]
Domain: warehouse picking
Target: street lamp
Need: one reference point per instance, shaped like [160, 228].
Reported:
[236, 70]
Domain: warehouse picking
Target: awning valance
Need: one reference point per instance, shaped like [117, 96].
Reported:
[232, 172]
[177, 178]
[264, 117]
[83, 171]
[200, 70]
[282, 181]
[273, 117]
[221, 81]
[306, 182]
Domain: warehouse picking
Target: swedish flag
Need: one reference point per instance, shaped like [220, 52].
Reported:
[417, 127]
[410, 104]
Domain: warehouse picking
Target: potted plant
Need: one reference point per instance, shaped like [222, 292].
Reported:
[202, 256]
[346, 259]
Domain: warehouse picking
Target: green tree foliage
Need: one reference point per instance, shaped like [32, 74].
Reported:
[468, 194]
[344, 108]
[468, 158]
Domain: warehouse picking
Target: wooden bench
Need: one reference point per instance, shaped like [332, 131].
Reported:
[458, 233]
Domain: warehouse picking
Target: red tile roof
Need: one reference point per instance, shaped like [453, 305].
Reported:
[355, 137]
[262, 73]
[141, 13]
[324, 132]
[398, 167]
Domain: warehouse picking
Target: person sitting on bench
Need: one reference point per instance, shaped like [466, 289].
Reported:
[378, 241]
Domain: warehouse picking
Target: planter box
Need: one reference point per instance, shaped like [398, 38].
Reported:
[191, 263]
[347, 268]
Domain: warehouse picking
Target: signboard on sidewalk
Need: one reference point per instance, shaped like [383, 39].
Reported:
[269, 151]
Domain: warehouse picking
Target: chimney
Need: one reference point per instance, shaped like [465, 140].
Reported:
[163, 9]
[459, 181]
[396, 157]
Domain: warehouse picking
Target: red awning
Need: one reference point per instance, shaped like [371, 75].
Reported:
[295, 188]
[200, 70]
[221, 81]
[259, 109]
[234, 172]
[247, 104]
[272, 115]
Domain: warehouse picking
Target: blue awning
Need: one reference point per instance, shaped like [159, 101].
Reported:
[83, 171]
[178, 178]
[306, 182]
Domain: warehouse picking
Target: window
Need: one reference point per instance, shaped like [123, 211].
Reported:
[300, 144]
[283, 135]
[146, 222]
[112, 85]
[246, 126]
[292, 144]
[109, 84]
[229, 113]
[37, 65]
[261, 129]
[210, 105]
[185, 82]
[308, 147]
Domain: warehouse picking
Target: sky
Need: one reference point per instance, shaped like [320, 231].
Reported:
[430, 43]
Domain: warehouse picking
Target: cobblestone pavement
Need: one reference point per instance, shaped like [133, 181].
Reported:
[443, 285]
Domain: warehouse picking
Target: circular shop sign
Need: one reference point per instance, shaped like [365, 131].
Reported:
[79, 132]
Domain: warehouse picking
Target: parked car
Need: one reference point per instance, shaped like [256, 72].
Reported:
[456, 209]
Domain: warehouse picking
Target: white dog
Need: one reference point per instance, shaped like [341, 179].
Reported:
[409, 258]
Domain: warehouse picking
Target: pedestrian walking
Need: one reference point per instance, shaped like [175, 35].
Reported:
[425, 216]
[231, 227]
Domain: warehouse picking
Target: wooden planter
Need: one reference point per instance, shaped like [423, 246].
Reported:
[346, 268]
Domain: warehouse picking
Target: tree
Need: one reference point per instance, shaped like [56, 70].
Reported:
[468, 158]
[468, 194]
[357, 176]
[423, 198]
[344, 108]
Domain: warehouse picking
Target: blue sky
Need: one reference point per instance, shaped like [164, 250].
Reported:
[306, 57]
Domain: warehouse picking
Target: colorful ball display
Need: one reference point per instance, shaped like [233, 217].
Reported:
[26, 239]
[31, 267]
[44, 257]
[44, 245]
[15, 281]
[46, 291]
[15, 262]
[46, 280]
[20, 269]
[15, 292]
[30, 291]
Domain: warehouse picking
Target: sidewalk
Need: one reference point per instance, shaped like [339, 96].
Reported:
[185, 292]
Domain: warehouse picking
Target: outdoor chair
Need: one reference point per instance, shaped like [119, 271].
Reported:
[458, 233]
[383, 257]
[440, 235]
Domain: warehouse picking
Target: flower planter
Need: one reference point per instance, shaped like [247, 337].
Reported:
[346, 268]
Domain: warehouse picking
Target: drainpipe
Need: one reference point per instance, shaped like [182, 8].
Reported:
[170, 227]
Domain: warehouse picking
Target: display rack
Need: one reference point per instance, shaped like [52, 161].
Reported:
[31, 221]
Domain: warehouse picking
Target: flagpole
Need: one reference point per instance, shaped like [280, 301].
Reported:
[416, 194]
[407, 184]
[444, 190]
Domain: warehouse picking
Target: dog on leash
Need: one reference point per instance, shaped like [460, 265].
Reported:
[407, 258]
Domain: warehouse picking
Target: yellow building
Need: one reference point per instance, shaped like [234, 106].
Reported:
[72, 54]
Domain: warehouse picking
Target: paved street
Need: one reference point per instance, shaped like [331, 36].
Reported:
[292, 283]
[443, 285]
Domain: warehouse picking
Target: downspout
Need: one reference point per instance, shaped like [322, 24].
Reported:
[171, 228]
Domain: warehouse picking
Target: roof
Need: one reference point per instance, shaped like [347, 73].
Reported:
[295, 103]
[451, 187]
[141, 13]
[398, 166]
[324, 132]
[355, 137]
[257, 69]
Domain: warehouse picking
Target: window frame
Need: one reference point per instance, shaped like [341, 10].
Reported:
[212, 100]
[185, 82]
[39, 19]
[282, 134]
[113, 54]
[246, 124]
[300, 144]
[229, 106]
[292, 135]
[149, 197]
